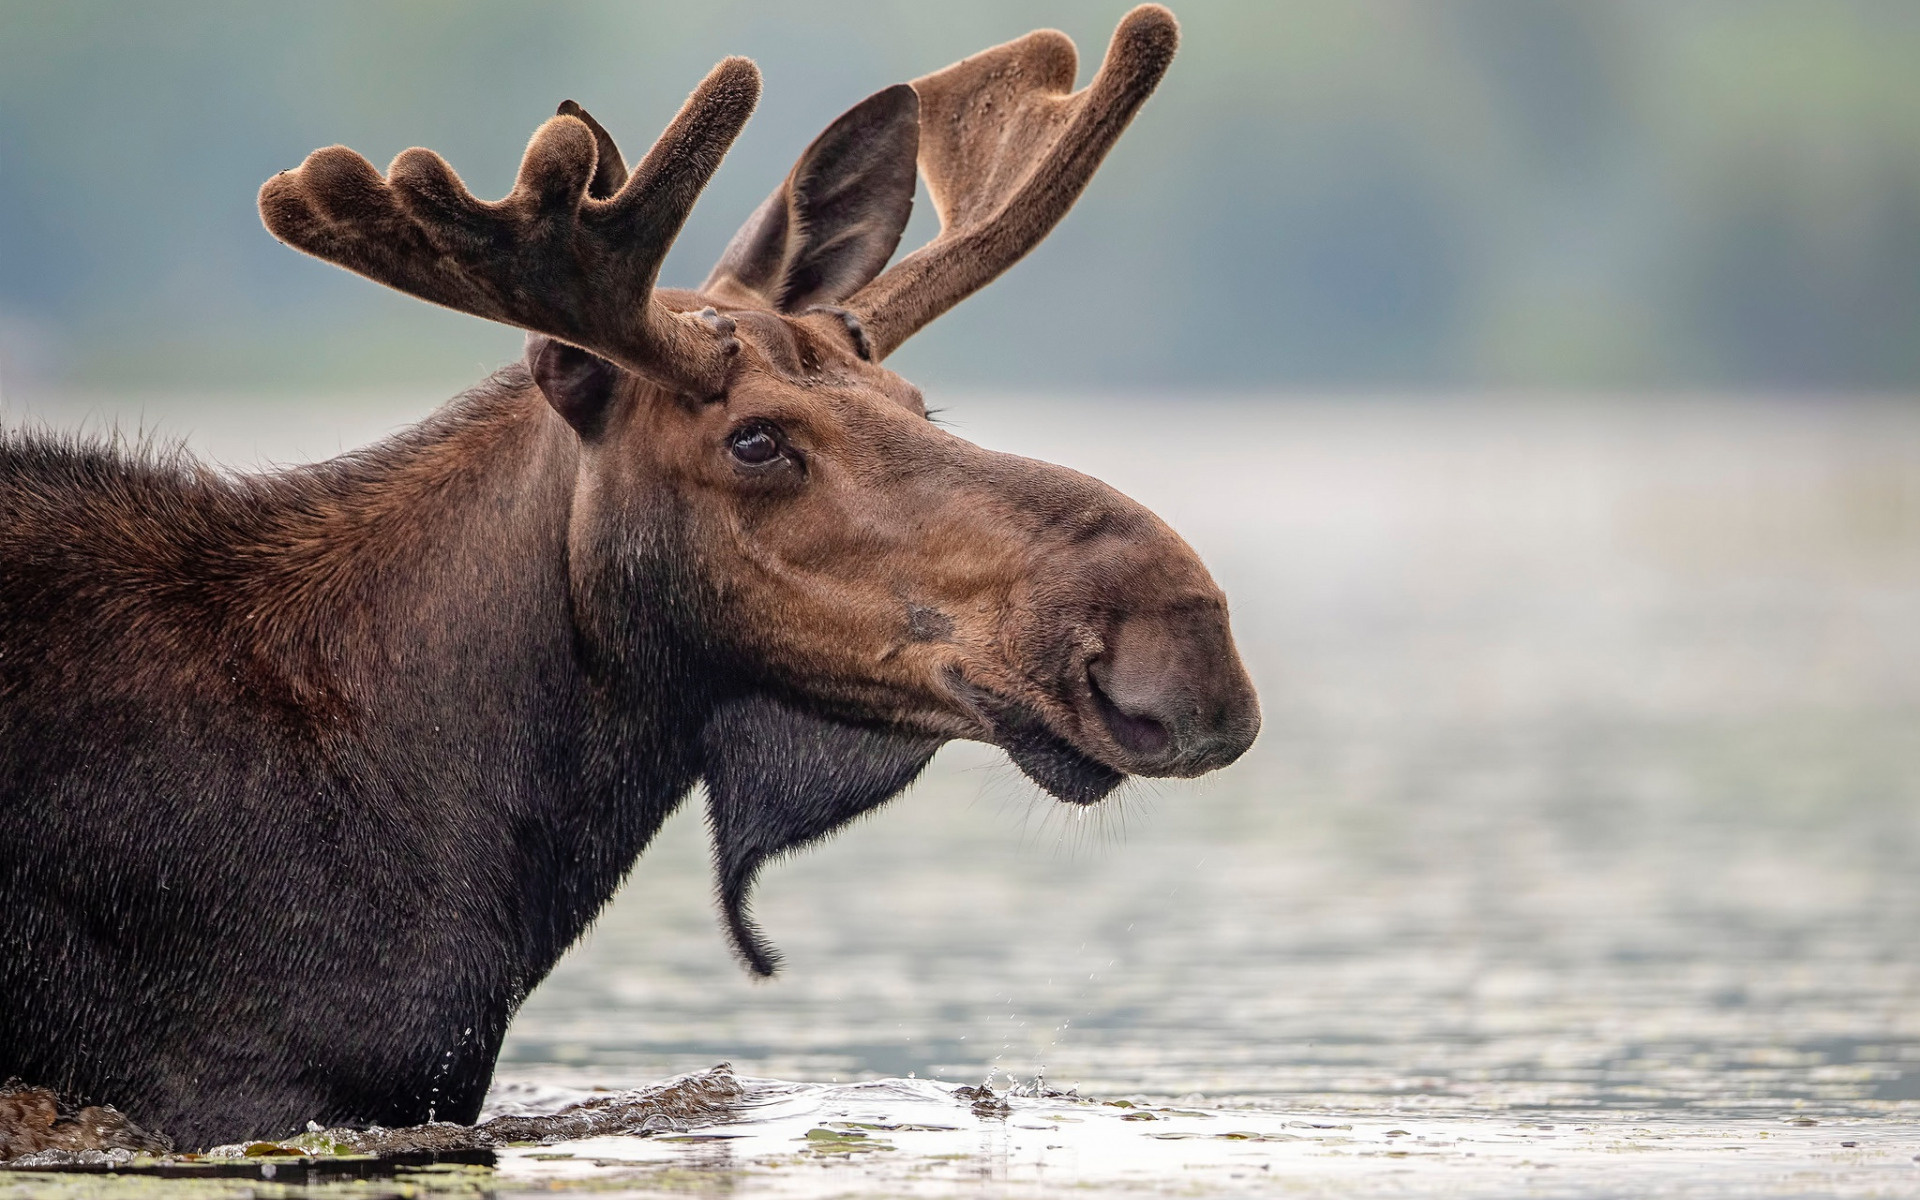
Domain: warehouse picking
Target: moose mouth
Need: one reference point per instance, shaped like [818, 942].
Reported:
[1062, 769]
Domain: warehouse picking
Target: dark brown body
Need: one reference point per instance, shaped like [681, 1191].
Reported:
[307, 779]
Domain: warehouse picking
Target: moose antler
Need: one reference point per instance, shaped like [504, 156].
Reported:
[1006, 150]
[549, 257]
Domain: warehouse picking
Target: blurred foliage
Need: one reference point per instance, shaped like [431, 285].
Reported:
[1346, 193]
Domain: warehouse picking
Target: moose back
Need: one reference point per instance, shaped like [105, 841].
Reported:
[307, 778]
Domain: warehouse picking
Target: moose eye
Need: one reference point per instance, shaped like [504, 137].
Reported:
[754, 445]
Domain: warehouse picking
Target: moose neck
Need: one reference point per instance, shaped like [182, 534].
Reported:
[425, 596]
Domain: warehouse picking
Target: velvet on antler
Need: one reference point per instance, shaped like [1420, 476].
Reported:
[1006, 148]
[551, 257]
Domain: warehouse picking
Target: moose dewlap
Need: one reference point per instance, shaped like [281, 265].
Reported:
[307, 778]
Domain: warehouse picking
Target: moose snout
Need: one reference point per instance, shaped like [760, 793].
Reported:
[1171, 692]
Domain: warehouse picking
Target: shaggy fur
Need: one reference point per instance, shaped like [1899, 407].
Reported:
[308, 778]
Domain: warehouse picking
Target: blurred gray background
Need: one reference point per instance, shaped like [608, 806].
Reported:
[1398, 194]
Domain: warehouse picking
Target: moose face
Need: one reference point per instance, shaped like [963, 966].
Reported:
[878, 584]
[870, 565]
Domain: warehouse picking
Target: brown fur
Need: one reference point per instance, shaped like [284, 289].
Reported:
[1030, 567]
[1006, 150]
[307, 778]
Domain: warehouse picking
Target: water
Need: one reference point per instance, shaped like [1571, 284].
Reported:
[1589, 791]
[908, 1138]
[1588, 797]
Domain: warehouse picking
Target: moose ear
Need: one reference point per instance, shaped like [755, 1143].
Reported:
[578, 383]
[609, 169]
[837, 219]
[778, 779]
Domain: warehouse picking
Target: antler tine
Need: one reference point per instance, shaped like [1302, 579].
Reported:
[548, 257]
[1005, 151]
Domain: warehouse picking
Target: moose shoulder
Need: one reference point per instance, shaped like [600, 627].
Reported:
[307, 778]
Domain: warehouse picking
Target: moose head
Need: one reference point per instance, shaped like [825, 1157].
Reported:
[862, 584]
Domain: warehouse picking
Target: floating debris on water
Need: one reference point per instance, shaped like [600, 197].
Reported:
[985, 1102]
[36, 1125]
[771, 1140]
[96, 1141]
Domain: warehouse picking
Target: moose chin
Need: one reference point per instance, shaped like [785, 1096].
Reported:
[307, 778]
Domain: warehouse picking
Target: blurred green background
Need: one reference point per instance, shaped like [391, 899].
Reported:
[1365, 194]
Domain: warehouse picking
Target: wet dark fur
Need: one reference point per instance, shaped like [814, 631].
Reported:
[779, 779]
[307, 779]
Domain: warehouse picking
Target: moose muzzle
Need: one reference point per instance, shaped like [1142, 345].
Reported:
[1171, 692]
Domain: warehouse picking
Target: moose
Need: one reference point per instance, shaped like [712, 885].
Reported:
[308, 777]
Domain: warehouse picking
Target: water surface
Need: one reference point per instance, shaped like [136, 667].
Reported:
[1589, 789]
[1585, 823]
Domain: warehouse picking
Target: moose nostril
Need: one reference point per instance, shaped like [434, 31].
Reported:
[1137, 733]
